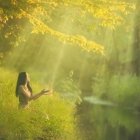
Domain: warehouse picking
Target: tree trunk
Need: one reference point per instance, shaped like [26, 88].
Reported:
[136, 44]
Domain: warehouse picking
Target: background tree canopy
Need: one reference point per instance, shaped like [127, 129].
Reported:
[42, 15]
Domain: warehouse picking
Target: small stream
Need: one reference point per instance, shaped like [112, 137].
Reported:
[103, 120]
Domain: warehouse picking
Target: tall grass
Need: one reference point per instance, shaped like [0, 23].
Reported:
[48, 118]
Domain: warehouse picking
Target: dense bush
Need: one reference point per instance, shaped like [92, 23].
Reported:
[121, 89]
[48, 118]
[69, 89]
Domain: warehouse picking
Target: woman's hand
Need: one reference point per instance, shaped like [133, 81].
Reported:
[44, 91]
[49, 92]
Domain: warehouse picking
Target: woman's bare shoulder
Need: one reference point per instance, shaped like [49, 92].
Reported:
[21, 87]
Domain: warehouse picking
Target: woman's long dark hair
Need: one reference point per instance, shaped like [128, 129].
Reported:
[22, 79]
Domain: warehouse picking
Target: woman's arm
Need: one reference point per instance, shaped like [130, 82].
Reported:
[36, 96]
[27, 93]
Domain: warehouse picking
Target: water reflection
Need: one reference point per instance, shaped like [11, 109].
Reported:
[99, 120]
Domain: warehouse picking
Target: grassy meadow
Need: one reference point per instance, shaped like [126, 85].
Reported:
[47, 118]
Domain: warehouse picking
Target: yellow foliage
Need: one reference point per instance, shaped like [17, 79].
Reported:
[14, 2]
[106, 12]
[40, 27]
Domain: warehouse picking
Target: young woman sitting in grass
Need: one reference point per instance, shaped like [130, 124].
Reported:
[24, 90]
